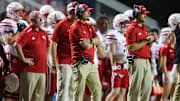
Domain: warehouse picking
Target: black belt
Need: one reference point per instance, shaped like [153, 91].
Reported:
[83, 60]
[131, 58]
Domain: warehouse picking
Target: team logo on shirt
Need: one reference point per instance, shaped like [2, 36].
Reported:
[68, 30]
[90, 30]
[170, 50]
[139, 33]
[121, 75]
[44, 37]
[33, 38]
[84, 32]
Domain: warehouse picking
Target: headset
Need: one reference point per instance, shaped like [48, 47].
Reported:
[136, 10]
[78, 11]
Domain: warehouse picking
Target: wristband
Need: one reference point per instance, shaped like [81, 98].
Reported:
[91, 40]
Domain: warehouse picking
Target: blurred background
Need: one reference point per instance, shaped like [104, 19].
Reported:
[160, 9]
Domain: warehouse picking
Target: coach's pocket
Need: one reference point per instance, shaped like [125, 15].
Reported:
[75, 66]
[130, 69]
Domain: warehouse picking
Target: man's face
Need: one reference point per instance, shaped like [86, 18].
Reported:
[19, 13]
[123, 27]
[142, 17]
[155, 34]
[103, 25]
[85, 15]
[36, 21]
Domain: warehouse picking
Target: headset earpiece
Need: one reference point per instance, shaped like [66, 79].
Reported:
[78, 11]
[136, 10]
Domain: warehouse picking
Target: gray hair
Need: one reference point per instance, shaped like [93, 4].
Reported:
[33, 15]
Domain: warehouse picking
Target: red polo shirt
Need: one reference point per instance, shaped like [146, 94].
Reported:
[168, 51]
[135, 34]
[61, 37]
[79, 30]
[34, 45]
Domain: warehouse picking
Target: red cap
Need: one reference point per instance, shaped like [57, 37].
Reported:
[72, 6]
[143, 10]
[84, 7]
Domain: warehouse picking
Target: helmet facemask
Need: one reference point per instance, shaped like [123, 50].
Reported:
[15, 11]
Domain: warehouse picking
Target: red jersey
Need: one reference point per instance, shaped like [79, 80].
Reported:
[34, 45]
[168, 51]
[61, 37]
[135, 34]
[80, 30]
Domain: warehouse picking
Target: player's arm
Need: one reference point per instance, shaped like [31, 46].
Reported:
[10, 38]
[53, 51]
[48, 50]
[100, 50]
[112, 51]
[163, 60]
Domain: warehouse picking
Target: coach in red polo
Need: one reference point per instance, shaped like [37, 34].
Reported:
[32, 48]
[138, 43]
[60, 38]
[82, 40]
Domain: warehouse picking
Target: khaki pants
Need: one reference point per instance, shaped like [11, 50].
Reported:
[176, 96]
[86, 74]
[32, 86]
[64, 83]
[140, 80]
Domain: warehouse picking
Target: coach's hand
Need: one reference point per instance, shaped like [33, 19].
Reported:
[85, 43]
[150, 39]
[54, 67]
[28, 61]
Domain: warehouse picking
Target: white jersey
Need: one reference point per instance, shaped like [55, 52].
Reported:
[10, 49]
[104, 41]
[49, 30]
[155, 55]
[105, 47]
[120, 41]
[155, 50]
[95, 56]
[7, 25]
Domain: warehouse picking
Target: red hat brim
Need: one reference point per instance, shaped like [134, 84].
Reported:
[146, 12]
[89, 9]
